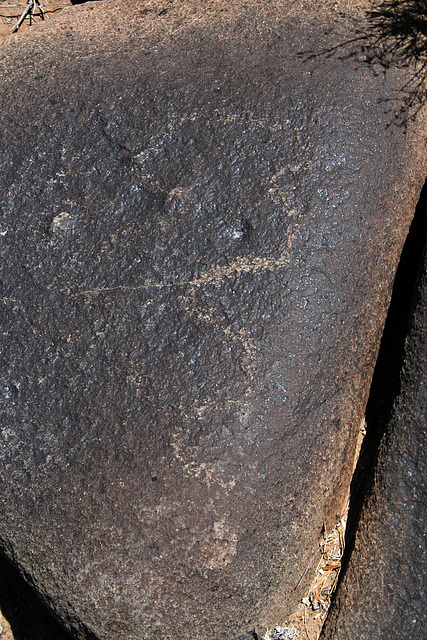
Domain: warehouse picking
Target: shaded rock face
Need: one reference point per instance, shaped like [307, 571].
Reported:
[383, 590]
[199, 232]
[22, 613]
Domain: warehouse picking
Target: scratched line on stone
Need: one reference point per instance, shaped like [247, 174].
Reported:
[213, 275]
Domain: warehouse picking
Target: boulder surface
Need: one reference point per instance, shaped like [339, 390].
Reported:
[383, 590]
[199, 231]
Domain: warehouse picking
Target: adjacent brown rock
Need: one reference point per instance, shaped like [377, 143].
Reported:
[382, 594]
[199, 232]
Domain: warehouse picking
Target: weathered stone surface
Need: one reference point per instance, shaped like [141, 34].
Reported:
[22, 614]
[383, 592]
[199, 233]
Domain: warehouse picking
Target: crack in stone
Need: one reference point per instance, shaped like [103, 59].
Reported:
[212, 276]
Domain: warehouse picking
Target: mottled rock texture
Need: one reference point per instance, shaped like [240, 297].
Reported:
[383, 591]
[199, 233]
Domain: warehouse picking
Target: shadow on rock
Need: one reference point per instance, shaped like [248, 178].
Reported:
[381, 591]
[29, 619]
[386, 381]
[392, 35]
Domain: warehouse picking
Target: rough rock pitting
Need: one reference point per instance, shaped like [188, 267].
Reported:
[199, 232]
[382, 594]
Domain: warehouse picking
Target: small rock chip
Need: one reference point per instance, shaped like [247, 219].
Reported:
[62, 222]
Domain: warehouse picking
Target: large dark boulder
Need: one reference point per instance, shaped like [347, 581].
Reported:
[383, 591]
[199, 233]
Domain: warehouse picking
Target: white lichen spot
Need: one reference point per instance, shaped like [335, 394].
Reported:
[281, 633]
[62, 222]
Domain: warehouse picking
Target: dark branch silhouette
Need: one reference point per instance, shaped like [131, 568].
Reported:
[393, 35]
[397, 36]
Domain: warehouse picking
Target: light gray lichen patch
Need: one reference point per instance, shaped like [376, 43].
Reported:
[62, 222]
[282, 633]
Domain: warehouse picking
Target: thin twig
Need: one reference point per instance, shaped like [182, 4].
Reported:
[29, 10]
[308, 567]
[22, 18]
